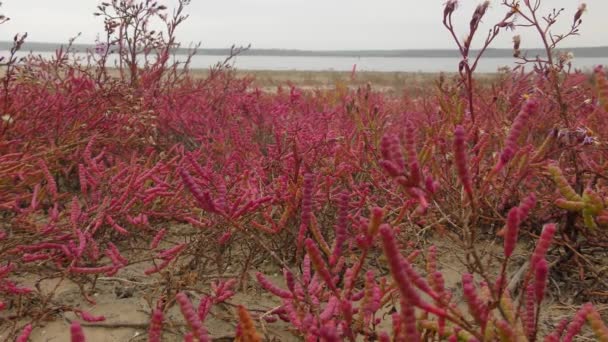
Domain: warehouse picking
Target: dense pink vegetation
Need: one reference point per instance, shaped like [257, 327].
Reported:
[331, 186]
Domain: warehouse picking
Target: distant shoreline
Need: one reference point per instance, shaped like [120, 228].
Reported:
[581, 52]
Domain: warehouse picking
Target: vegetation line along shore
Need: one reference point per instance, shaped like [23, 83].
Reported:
[582, 52]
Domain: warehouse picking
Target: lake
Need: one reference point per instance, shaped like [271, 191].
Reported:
[381, 64]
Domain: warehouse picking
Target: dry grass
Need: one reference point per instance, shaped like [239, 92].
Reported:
[398, 83]
[413, 83]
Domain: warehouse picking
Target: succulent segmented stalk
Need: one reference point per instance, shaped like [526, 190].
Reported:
[318, 236]
[197, 167]
[172, 252]
[248, 333]
[118, 258]
[158, 267]
[417, 279]
[82, 179]
[270, 287]
[393, 256]
[307, 194]
[119, 229]
[529, 108]
[76, 332]
[75, 213]
[577, 323]
[513, 221]
[189, 337]
[570, 205]
[438, 283]
[391, 168]
[476, 306]
[319, 264]
[346, 308]
[372, 295]
[390, 148]
[306, 270]
[330, 333]
[340, 227]
[540, 280]
[431, 185]
[223, 290]
[27, 257]
[460, 159]
[398, 333]
[408, 315]
[375, 221]
[410, 147]
[203, 198]
[195, 325]
[589, 218]
[431, 261]
[530, 312]
[562, 184]
[597, 325]
[384, 337]
[82, 243]
[87, 317]
[222, 192]
[290, 280]
[158, 238]
[292, 315]
[557, 333]
[50, 180]
[156, 326]
[505, 330]
[87, 154]
[349, 278]
[543, 244]
[25, 334]
[403, 282]
[526, 206]
[593, 201]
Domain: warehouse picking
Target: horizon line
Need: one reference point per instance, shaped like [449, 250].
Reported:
[580, 52]
[183, 46]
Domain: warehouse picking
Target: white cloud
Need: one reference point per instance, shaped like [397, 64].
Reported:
[298, 24]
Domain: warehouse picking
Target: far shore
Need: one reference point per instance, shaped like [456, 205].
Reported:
[589, 51]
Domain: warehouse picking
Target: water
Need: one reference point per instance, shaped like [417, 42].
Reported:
[382, 64]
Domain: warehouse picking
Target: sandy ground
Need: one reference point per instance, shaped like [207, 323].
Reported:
[122, 299]
[398, 83]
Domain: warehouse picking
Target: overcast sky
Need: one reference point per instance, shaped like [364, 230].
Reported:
[297, 24]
